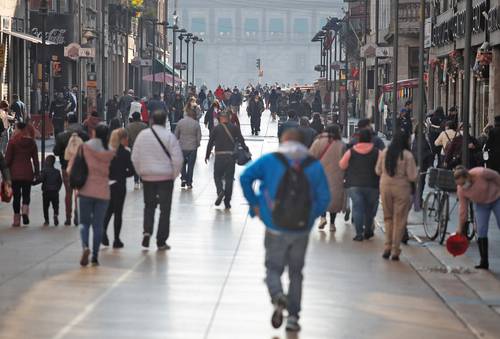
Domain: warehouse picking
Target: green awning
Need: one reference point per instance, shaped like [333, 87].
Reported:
[161, 67]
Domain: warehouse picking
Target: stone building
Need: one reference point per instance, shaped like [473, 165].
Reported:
[237, 33]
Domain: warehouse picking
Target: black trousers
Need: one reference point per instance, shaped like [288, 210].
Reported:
[50, 197]
[224, 168]
[20, 189]
[158, 193]
[115, 208]
[255, 122]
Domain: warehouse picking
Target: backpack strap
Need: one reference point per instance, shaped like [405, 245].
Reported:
[281, 157]
[309, 160]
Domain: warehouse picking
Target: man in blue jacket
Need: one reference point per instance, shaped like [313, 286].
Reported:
[285, 247]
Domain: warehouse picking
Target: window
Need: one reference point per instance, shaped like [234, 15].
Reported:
[276, 27]
[199, 26]
[251, 27]
[225, 27]
[301, 26]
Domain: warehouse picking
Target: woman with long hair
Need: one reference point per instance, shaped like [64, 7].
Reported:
[397, 170]
[121, 168]
[22, 160]
[211, 119]
[328, 148]
[94, 196]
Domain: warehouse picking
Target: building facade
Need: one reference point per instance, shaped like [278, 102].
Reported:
[237, 33]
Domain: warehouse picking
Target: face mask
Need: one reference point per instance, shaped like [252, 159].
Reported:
[467, 184]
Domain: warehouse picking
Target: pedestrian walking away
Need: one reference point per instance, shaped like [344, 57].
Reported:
[480, 186]
[223, 137]
[65, 148]
[362, 183]
[22, 160]
[398, 171]
[94, 195]
[286, 242]
[51, 180]
[121, 168]
[188, 132]
[133, 130]
[157, 159]
[328, 148]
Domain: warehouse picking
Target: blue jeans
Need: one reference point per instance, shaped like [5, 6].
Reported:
[286, 249]
[92, 213]
[188, 166]
[364, 204]
[483, 212]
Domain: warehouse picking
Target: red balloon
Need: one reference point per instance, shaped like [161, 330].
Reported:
[457, 244]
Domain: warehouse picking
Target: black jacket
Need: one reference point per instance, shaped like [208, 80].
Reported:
[62, 141]
[221, 140]
[51, 179]
[493, 148]
[255, 108]
[121, 166]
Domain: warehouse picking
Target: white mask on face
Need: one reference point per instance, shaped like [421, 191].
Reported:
[467, 184]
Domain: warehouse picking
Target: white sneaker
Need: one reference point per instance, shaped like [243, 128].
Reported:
[137, 186]
[322, 223]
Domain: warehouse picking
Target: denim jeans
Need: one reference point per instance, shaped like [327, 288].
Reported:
[282, 250]
[364, 203]
[188, 166]
[483, 212]
[158, 193]
[92, 212]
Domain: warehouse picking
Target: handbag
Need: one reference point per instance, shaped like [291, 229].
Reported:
[161, 144]
[5, 192]
[79, 171]
[240, 155]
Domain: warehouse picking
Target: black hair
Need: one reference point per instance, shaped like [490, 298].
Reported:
[292, 114]
[365, 135]
[50, 160]
[94, 114]
[304, 122]
[293, 134]
[21, 125]
[400, 142]
[159, 118]
[451, 125]
[408, 102]
[363, 123]
[136, 116]
[114, 124]
[439, 111]
[334, 132]
[101, 132]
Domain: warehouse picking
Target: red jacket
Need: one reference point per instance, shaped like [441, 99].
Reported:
[144, 112]
[219, 94]
[22, 157]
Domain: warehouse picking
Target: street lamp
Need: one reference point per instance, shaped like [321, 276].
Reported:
[175, 29]
[44, 9]
[195, 40]
[188, 37]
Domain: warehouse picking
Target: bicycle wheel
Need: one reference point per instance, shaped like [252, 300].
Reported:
[444, 216]
[430, 215]
[470, 224]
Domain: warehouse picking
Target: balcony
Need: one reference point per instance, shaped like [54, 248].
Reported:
[409, 19]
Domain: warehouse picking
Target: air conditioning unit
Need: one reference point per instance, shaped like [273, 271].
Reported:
[5, 23]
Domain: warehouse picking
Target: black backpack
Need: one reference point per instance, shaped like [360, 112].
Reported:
[79, 172]
[293, 202]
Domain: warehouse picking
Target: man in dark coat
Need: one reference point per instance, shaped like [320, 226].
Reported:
[255, 109]
[493, 147]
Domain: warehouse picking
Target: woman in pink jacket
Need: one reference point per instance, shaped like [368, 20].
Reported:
[94, 195]
[481, 186]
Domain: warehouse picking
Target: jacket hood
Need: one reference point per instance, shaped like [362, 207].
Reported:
[293, 150]
[23, 140]
[98, 154]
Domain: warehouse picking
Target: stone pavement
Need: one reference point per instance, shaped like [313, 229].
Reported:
[210, 285]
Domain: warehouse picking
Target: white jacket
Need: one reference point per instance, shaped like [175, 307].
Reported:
[150, 161]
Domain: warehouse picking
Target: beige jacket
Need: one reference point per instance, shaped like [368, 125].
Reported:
[406, 170]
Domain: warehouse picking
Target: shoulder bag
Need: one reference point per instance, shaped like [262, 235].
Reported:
[240, 155]
[161, 144]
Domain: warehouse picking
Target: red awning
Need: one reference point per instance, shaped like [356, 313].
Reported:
[161, 78]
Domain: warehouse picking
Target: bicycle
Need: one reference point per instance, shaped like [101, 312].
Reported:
[436, 208]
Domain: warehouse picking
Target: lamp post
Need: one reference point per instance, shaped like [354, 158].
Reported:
[195, 40]
[181, 38]
[44, 9]
[189, 36]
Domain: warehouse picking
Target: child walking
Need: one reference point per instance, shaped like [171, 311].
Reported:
[51, 184]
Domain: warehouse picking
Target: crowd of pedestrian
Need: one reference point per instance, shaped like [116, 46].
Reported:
[313, 174]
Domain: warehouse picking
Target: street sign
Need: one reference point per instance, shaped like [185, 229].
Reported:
[74, 51]
[383, 52]
[320, 68]
[428, 33]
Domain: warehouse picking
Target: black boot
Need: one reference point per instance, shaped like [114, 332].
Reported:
[482, 244]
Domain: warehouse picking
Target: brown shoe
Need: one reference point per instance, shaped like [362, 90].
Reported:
[17, 220]
[84, 261]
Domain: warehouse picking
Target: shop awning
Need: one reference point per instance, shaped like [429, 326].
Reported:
[162, 77]
[28, 37]
[160, 66]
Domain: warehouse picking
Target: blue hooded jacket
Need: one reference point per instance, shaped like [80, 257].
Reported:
[269, 170]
